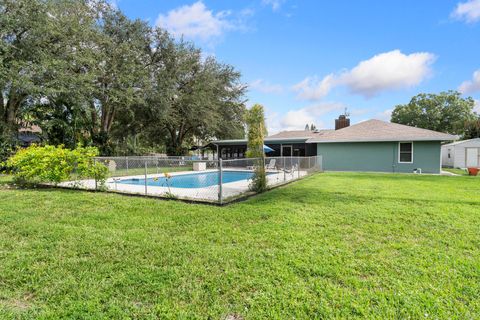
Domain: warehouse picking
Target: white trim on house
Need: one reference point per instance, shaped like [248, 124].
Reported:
[399, 151]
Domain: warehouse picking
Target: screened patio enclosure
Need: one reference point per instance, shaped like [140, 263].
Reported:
[236, 149]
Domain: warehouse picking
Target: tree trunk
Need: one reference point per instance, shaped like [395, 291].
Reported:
[11, 109]
[2, 104]
[172, 147]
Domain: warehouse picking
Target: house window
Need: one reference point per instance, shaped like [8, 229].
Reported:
[405, 152]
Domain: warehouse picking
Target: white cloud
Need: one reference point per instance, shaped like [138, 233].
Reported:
[266, 87]
[471, 86]
[272, 120]
[385, 115]
[275, 4]
[468, 11]
[311, 88]
[195, 21]
[247, 12]
[297, 119]
[386, 71]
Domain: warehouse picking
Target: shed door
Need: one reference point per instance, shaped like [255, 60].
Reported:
[472, 157]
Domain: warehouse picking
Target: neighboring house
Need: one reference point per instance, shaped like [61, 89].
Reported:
[371, 145]
[461, 154]
[28, 134]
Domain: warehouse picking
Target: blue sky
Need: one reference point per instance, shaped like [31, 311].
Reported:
[306, 61]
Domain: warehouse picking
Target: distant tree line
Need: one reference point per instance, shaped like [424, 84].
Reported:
[85, 73]
[445, 112]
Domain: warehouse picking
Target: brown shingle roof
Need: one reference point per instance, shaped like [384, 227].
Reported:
[377, 130]
[30, 128]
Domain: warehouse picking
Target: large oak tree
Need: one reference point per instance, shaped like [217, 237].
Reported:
[444, 112]
[86, 73]
[192, 96]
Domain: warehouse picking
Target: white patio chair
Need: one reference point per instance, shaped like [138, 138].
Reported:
[271, 164]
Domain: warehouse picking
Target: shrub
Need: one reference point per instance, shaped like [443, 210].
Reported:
[52, 164]
[256, 131]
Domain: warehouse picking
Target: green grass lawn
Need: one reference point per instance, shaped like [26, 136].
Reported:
[333, 245]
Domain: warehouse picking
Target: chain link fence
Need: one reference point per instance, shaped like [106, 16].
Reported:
[186, 178]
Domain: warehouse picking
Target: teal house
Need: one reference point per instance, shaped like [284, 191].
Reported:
[380, 146]
[371, 145]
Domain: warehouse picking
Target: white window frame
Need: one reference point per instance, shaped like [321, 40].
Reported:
[399, 143]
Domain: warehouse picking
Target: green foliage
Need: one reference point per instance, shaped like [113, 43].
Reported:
[472, 129]
[444, 112]
[191, 96]
[255, 120]
[52, 164]
[43, 54]
[86, 73]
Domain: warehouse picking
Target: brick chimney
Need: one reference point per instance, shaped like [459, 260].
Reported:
[342, 122]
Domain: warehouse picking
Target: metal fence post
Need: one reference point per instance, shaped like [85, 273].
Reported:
[284, 168]
[95, 175]
[126, 159]
[298, 167]
[145, 177]
[220, 182]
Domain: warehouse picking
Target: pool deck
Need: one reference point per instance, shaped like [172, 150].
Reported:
[209, 194]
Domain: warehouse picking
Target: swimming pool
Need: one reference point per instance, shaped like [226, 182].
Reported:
[191, 180]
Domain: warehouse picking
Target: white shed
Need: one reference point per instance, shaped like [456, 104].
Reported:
[461, 154]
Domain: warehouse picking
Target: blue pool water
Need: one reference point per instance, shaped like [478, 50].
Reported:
[191, 180]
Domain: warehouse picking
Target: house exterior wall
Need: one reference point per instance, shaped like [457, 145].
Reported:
[379, 156]
[446, 161]
[459, 156]
[461, 152]
[458, 153]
